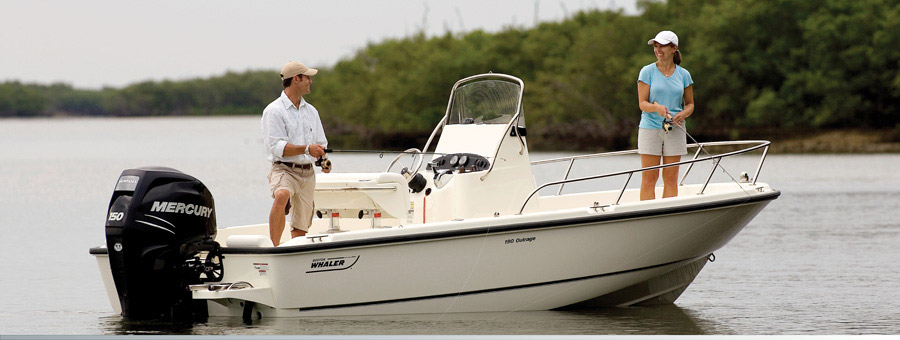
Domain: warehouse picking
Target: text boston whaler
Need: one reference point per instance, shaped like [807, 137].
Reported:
[471, 232]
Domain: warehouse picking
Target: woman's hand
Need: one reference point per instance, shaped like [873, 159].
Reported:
[662, 110]
[680, 117]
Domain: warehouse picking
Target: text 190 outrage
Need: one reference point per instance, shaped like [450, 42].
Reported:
[519, 240]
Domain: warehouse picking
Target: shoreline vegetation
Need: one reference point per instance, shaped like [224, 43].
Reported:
[842, 141]
[813, 77]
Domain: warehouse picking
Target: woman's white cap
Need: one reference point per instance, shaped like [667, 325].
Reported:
[664, 38]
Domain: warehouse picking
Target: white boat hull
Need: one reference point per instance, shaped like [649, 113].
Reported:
[529, 297]
[532, 267]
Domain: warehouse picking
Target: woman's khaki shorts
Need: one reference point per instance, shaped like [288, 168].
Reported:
[659, 142]
[302, 185]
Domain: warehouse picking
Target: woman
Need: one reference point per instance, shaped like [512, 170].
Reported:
[665, 92]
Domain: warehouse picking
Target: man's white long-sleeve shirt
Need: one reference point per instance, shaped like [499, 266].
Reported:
[284, 123]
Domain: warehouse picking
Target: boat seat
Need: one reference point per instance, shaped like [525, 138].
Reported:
[248, 241]
[386, 191]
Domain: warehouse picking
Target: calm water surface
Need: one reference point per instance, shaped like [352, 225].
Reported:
[822, 259]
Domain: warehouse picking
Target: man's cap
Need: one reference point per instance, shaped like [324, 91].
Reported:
[293, 68]
[664, 38]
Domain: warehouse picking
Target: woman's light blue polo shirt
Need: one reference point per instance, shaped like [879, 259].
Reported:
[668, 91]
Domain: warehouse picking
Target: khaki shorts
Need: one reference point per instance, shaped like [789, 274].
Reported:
[302, 185]
[659, 142]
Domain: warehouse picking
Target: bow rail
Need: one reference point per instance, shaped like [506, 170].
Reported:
[754, 145]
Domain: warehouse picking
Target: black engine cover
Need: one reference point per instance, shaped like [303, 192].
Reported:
[159, 218]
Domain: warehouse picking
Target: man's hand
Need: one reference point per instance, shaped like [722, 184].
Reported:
[316, 150]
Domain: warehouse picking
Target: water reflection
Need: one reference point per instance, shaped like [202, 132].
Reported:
[666, 319]
[121, 326]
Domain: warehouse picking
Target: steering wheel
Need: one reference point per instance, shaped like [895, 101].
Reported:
[416, 164]
[212, 267]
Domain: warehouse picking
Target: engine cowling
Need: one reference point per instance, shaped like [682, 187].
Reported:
[160, 232]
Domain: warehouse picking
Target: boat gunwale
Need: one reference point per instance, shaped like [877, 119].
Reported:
[314, 247]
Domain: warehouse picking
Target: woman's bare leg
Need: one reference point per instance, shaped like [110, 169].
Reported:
[649, 177]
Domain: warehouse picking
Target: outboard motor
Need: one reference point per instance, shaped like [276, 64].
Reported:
[160, 234]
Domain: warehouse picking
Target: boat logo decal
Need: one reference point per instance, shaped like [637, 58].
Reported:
[262, 268]
[127, 183]
[519, 240]
[116, 216]
[332, 263]
[181, 208]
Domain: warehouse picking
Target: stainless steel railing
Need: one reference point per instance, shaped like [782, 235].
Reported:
[755, 145]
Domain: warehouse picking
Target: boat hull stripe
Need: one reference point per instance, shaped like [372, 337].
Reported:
[492, 290]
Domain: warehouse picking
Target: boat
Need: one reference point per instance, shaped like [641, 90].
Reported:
[470, 231]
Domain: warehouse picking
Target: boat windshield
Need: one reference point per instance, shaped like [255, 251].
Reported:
[488, 101]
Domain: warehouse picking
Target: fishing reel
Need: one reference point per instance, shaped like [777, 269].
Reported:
[324, 163]
[667, 125]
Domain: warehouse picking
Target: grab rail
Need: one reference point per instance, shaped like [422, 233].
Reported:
[716, 159]
[358, 189]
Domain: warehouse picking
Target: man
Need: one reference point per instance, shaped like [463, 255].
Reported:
[294, 139]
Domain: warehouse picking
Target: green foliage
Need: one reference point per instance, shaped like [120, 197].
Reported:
[774, 63]
[19, 100]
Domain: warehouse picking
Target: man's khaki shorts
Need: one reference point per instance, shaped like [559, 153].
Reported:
[302, 185]
[659, 142]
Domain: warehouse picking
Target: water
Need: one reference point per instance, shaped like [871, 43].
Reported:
[822, 259]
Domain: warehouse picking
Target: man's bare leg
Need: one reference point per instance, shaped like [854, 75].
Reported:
[297, 232]
[276, 216]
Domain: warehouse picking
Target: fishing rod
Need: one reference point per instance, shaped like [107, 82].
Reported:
[382, 152]
[667, 126]
[325, 163]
